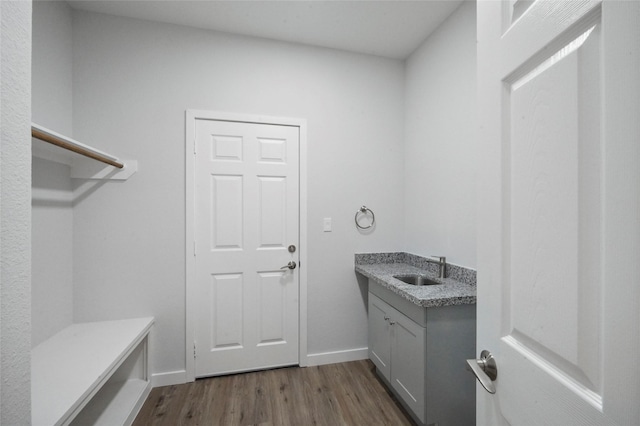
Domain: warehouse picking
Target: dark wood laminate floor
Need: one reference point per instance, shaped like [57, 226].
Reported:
[336, 394]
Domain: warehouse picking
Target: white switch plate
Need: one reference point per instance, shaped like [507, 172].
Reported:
[327, 224]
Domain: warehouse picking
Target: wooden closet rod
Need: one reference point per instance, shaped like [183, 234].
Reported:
[54, 138]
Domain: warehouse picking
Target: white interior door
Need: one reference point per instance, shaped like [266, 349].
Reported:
[246, 220]
[559, 211]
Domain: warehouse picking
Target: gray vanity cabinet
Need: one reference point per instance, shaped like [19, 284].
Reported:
[420, 354]
[380, 335]
[397, 347]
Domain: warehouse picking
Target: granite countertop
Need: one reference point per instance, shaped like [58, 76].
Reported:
[457, 289]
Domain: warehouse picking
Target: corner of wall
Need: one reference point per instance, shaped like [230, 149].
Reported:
[52, 193]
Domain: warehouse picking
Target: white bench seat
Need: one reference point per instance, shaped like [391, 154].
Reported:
[97, 372]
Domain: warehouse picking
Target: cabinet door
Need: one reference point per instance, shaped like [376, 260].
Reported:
[379, 335]
[408, 357]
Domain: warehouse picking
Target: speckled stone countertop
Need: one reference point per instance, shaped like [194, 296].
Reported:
[459, 288]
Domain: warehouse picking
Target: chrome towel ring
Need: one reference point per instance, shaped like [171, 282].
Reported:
[363, 210]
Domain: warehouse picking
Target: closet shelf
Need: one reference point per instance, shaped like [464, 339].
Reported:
[89, 366]
[121, 170]
[57, 139]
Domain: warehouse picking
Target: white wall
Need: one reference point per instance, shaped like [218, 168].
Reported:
[52, 66]
[52, 210]
[133, 81]
[15, 200]
[440, 142]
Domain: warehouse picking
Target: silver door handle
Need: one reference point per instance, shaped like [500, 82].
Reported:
[485, 370]
[290, 265]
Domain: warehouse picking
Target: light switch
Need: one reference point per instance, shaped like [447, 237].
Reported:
[327, 224]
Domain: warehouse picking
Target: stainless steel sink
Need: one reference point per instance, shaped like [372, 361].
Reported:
[416, 279]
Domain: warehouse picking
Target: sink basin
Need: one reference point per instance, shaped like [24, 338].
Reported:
[416, 279]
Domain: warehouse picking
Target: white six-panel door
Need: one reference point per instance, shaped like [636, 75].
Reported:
[559, 210]
[246, 217]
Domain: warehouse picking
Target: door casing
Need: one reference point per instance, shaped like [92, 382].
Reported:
[191, 294]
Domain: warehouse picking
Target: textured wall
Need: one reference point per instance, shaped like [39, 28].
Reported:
[15, 205]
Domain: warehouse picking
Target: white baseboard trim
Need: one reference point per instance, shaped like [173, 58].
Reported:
[169, 378]
[179, 377]
[337, 356]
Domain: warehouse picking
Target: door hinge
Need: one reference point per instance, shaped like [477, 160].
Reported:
[194, 350]
[194, 249]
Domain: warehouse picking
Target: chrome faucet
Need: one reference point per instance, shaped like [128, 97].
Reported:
[442, 262]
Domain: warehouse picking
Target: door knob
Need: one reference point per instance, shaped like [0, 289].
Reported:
[290, 265]
[485, 370]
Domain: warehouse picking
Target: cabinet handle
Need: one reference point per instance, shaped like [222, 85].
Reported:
[391, 322]
[386, 318]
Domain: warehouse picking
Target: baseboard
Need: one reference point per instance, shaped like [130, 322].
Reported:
[180, 376]
[337, 356]
[169, 378]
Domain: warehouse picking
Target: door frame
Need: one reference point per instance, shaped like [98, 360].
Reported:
[191, 286]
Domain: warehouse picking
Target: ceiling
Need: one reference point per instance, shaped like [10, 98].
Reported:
[392, 29]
